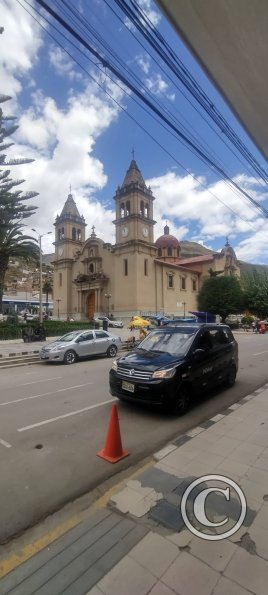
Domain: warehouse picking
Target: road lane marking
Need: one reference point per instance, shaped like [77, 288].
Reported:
[260, 353]
[38, 381]
[52, 419]
[6, 566]
[59, 390]
[4, 443]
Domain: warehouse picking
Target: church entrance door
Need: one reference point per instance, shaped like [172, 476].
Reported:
[91, 305]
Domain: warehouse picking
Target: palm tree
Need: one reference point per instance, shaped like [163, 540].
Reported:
[47, 288]
[13, 242]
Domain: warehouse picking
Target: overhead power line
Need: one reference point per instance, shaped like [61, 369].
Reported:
[107, 64]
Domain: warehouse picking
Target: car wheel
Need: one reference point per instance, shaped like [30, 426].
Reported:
[70, 357]
[112, 351]
[182, 400]
[231, 378]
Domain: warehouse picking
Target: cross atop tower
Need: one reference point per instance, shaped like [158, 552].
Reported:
[133, 154]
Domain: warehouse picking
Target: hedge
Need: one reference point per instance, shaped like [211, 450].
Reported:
[54, 328]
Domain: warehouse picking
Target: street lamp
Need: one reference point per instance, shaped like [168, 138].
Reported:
[108, 297]
[40, 236]
[58, 300]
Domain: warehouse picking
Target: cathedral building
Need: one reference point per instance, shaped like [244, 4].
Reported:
[137, 274]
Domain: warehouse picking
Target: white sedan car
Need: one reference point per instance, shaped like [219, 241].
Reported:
[110, 321]
[80, 344]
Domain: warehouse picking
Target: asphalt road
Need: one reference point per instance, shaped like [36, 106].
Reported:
[54, 418]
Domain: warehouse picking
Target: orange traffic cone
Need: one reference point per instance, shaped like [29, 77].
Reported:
[112, 450]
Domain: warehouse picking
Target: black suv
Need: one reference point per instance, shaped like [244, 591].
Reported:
[173, 364]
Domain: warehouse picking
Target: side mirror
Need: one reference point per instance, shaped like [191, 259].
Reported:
[198, 353]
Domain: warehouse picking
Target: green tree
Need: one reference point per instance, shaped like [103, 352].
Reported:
[255, 287]
[47, 288]
[13, 210]
[221, 295]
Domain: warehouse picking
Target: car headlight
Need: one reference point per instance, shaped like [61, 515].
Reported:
[58, 348]
[164, 373]
[114, 365]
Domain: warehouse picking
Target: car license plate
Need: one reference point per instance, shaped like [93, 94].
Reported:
[128, 386]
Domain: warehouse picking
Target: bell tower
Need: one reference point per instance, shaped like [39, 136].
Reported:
[134, 209]
[69, 230]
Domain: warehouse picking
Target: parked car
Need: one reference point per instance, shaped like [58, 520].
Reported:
[110, 321]
[80, 344]
[172, 365]
[138, 322]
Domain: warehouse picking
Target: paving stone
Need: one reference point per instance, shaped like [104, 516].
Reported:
[188, 576]
[261, 518]
[127, 577]
[95, 591]
[161, 589]
[234, 406]
[227, 411]
[247, 453]
[105, 563]
[195, 431]
[216, 554]
[126, 499]
[207, 424]
[155, 553]
[258, 476]
[65, 547]
[249, 571]
[159, 480]
[181, 440]
[260, 537]
[225, 446]
[164, 452]
[217, 417]
[182, 538]
[228, 465]
[227, 587]
[57, 578]
[142, 507]
[254, 491]
[168, 515]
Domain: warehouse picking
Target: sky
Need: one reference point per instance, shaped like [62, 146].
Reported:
[81, 126]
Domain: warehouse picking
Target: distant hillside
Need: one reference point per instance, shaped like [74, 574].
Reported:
[248, 267]
[191, 249]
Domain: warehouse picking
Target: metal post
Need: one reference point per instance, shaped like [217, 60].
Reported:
[108, 296]
[184, 304]
[40, 281]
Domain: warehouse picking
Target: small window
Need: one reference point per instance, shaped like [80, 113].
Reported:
[194, 284]
[169, 251]
[142, 208]
[178, 251]
[127, 208]
[91, 267]
[183, 283]
[146, 267]
[159, 252]
[86, 337]
[122, 210]
[170, 281]
[60, 279]
[74, 234]
[146, 211]
[101, 335]
[125, 267]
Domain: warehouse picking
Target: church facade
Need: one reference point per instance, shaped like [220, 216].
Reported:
[136, 275]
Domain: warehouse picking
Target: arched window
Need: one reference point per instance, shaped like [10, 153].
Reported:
[59, 234]
[91, 252]
[169, 251]
[62, 233]
[127, 208]
[122, 210]
[91, 267]
[159, 251]
[79, 235]
[73, 233]
[146, 211]
[142, 208]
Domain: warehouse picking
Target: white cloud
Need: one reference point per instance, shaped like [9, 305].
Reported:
[143, 62]
[19, 45]
[212, 212]
[62, 64]
[156, 84]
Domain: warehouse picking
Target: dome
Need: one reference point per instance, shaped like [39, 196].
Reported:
[167, 240]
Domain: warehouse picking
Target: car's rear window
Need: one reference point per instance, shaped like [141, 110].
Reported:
[175, 343]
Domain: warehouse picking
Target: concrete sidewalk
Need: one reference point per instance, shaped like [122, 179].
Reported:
[135, 541]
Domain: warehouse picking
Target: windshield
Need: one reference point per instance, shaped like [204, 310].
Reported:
[175, 343]
[67, 338]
